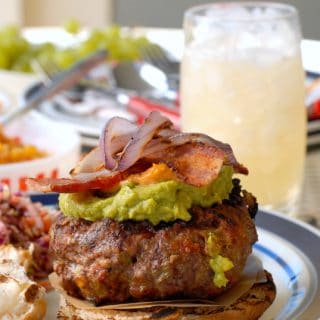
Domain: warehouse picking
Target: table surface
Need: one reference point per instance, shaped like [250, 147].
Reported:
[309, 202]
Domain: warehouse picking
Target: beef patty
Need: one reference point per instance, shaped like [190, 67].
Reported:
[110, 261]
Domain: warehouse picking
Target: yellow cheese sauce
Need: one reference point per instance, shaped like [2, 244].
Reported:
[157, 173]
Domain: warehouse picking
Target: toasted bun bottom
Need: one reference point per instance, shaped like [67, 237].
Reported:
[250, 306]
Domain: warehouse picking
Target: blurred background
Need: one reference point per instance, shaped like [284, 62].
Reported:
[150, 13]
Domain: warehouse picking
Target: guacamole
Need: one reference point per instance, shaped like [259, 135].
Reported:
[218, 264]
[162, 201]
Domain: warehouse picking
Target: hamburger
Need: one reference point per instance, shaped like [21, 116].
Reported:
[153, 214]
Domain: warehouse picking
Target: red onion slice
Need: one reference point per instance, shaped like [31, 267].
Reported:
[89, 176]
[93, 161]
[134, 149]
[115, 136]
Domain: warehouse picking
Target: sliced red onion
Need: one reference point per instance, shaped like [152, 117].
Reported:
[134, 149]
[115, 136]
[89, 176]
[93, 161]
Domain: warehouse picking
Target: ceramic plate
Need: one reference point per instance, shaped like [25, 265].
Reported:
[88, 125]
[289, 249]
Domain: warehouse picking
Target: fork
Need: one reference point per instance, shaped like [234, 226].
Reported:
[62, 81]
[50, 70]
[157, 56]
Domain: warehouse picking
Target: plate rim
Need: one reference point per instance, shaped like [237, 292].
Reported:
[293, 220]
[302, 293]
[267, 218]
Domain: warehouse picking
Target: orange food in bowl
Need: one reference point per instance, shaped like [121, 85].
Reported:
[13, 150]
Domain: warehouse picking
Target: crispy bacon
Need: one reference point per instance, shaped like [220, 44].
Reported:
[100, 180]
[125, 149]
[194, 163]
[229, 158]
[77, 184]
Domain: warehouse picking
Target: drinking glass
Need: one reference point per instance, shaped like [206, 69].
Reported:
[242, 82]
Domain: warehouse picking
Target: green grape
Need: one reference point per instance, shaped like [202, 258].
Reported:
[10, 31]
[17, 53]
[72, 26]
[4, 60]
[141, 42]
[65, 58]
[127, 49]
[12, 44]
[113, 32]
[21, 46]
[45, 58]
[96, 36]
[47, 48]
[86, 48]
[22, 64]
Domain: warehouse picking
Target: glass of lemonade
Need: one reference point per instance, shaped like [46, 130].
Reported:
[242, 82]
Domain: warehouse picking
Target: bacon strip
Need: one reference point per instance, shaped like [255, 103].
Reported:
[78, 184]
[104, 180]
[196, 158]
[194, 163]
[229, 157]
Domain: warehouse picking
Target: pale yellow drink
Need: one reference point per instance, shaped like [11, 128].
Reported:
[257, 106]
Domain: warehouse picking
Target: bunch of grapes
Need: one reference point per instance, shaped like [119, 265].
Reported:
[16, 53]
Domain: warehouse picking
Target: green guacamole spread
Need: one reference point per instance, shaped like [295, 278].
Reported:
[163, 201]
[218, 264]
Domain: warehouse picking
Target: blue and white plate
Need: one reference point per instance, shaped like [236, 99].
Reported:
[289, 250]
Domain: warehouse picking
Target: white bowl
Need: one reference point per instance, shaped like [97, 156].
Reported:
[59, 141]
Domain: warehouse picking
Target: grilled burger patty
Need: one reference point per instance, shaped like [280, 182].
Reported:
[110, 261]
